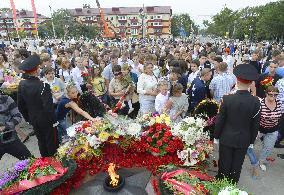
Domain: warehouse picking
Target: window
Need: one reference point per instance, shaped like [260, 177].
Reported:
[157, 24]
[134, 31]
[111, 18]
[157, 17]
[122, 17]
[152, 17]
[134, 24]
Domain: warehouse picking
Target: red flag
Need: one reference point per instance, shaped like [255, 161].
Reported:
[35, 15]
[14, 14]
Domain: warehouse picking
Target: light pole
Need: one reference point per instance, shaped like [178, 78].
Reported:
[6, 26]
[142, 15]
[250, 29]
[53, 29]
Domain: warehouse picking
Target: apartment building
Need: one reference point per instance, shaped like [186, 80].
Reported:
[152, 21]
[25, 21]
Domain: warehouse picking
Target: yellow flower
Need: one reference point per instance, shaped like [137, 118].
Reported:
[103, 136]
[168, 120]
[55, 88]
[158, 119]
[115, 135]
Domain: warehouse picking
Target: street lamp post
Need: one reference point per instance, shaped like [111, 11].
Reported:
[250, 29]
[142, 15]
[6, 27]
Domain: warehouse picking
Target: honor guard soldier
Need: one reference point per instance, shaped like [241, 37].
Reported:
[237, 124]
[35, 104]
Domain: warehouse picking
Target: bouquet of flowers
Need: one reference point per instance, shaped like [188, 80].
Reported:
[149, 119]
[85, 76]
[30, 173]
[207, 110]
[158, 138]
[173, 180]
[268, 81]
[197, 144]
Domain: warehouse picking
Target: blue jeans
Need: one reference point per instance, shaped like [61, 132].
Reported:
[252, 157]
[269, 140]
[61, 129]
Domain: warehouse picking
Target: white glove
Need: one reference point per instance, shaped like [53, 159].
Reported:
[216, 141]
[55, 124]
[251, 146]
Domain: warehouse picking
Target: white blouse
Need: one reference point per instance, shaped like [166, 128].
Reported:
[66, 74]
[146, 83]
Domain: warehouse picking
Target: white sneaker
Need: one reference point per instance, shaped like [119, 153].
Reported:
[130, 110]
[262, 167]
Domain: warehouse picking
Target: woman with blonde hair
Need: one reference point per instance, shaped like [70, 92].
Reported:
[66, 104]
[65, 70]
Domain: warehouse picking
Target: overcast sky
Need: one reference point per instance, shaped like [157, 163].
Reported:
[198, 9]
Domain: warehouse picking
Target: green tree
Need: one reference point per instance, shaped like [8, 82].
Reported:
[222, 23]
[65, 25]
[259, 22]
[182, 21]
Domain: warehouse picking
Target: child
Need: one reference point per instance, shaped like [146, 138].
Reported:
[56, 85]
[162, 97]
[194, 66]
[177, 105]
[129, 79]
[64, 106]
[98, 84]
[136, 66]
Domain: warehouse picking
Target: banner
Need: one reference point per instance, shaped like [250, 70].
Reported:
[14, 15]
[35, 15]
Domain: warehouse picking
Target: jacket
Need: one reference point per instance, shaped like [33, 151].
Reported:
[9, 118]
[35, 102]
[238, 120]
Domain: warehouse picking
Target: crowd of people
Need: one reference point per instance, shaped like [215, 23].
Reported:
[162, 76]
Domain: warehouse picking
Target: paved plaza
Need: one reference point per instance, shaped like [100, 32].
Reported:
[268, 183]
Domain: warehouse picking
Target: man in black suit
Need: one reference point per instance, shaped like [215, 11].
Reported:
[35, 104]
[237, 124]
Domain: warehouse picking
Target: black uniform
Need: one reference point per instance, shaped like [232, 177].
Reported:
[236, 127]
[35, 104]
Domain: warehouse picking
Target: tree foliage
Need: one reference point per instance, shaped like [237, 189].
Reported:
[182, 21]
[66, 26]
[260, 22]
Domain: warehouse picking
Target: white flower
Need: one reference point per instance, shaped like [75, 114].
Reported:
[94, 141]
[200, 122]
[232, 190]
[189, 120]
[134, 129]
[71, 131]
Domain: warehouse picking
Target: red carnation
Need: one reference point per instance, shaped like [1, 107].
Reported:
[165, 139]
[159, 143]
[156, 135]
[156, 150]
[149, 139]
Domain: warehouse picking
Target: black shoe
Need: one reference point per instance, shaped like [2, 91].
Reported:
[278, 145]
[281, 156]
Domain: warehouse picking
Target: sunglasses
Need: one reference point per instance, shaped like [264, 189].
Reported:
[272, 95]
[117, 73]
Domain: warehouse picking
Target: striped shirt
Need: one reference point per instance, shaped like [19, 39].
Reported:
[269, 119]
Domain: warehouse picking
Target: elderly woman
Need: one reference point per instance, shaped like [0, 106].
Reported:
[147, 89]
